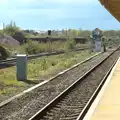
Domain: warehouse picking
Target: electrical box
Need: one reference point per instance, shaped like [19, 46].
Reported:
[21, 67]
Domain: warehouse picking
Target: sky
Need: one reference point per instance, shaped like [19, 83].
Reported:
[57, 14]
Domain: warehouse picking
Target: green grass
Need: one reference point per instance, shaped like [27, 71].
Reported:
[34, 47]
[48, 65]
[39, 69]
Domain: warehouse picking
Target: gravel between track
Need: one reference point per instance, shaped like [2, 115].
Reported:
[73, 103]
[27, 105]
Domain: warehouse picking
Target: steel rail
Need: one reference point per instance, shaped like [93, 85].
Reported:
[30, 57]
[40, 114]
[59, 74]
[88, 105]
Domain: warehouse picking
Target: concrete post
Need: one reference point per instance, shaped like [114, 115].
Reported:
[21, 67]
[98, 46]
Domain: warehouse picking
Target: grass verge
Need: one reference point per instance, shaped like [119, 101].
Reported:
[38, 70]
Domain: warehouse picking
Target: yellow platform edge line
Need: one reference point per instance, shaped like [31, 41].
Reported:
[101, 93]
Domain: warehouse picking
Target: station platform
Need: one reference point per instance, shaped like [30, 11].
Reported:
[107, 104]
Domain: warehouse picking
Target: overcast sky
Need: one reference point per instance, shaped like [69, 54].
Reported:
[57, 14]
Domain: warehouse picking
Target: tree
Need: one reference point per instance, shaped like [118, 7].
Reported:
[11, 29]
[4, 52]
[14, 31]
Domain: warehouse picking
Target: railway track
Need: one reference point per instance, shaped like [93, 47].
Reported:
[28, 104]
[12, 61]
[71, 103]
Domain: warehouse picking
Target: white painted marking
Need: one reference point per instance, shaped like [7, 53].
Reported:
[38, 85]
[21, 55]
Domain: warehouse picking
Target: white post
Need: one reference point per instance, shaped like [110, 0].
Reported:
[21, 67]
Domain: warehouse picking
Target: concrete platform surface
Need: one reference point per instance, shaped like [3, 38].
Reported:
[107, 104]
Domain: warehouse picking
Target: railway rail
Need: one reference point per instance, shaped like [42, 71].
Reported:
[26, 105]
[12, 61]
[73, 102]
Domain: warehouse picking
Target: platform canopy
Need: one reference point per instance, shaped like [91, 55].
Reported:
[113, 6]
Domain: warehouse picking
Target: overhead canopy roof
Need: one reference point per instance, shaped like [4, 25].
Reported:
[113, 6]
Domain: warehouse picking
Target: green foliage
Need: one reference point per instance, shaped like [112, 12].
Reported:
[70, 44]
[11, 28]
[111, 41]
[49, 65]
[44, 64]
[70, 33]
[32, 47]
[4, 52]
[13, 31]
[111, 33]
[1, 33]
[41, 68]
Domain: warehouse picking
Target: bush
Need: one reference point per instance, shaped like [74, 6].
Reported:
[1, 33]
[32, 47]
[4, 52]
[44, 64]
[70, 44]
[11, 28]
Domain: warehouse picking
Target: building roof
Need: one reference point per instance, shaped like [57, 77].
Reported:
[113, 6]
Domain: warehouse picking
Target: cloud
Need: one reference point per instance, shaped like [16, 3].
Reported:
[53, 13]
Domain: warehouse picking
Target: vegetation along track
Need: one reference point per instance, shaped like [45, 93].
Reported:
[25, 106]
[69, 104]
[12, 61]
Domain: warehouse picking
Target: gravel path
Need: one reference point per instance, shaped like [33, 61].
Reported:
[25, 106]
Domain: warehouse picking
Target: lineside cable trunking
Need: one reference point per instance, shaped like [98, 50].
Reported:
[21, 67]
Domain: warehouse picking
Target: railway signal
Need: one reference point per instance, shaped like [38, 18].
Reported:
[96, 35]
[49, 32]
